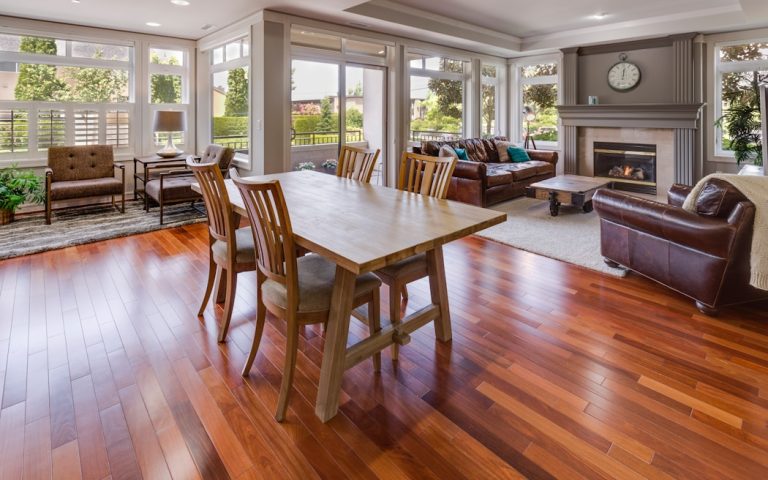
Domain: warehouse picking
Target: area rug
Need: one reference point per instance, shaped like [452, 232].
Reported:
[572, 236]
[77, 226]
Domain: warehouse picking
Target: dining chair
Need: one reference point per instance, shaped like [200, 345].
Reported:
[425, 175]
[357, 163]
[295, 289]
[230, 249]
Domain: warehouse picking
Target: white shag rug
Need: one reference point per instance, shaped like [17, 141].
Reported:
[572, 236]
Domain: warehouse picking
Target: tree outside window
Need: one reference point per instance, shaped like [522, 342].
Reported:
[539, 92]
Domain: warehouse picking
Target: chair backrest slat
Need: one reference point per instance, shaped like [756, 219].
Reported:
[425, 174]
[356, 163]
[220, 215]
[272, 231]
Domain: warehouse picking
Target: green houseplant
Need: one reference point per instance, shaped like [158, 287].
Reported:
[17, 187]
[741, 124]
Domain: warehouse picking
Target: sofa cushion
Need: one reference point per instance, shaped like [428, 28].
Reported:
[86, 188]
[501, 149]
[174, 189]
[446, 151]
[478, 149]
[515, 172]
[718, 198]
[81, 162]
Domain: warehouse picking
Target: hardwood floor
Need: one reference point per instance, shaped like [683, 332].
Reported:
[553, 372]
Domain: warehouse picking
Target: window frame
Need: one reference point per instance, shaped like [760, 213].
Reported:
[240, 159]
[497, 84]
[34, 153]
[518, 84]
[185, 105]
[721, 68]
[465, 77]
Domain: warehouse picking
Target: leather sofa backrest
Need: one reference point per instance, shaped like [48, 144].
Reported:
[478, 149]
[84, 162]
[217, 154]
[718, 198]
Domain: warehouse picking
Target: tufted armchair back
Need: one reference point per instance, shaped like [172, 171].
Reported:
[222, 156]
[84, 162]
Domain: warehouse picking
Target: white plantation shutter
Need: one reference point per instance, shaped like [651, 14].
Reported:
[14, 130]
[86, 127]
[118, 128]
[51, 128]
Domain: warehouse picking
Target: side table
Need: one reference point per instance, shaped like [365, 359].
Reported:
[148, 163]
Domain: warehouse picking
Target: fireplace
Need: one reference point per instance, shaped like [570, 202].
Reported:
[631, 166]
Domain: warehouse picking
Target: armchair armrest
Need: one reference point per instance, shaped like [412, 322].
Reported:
[677, 194]
[543, 155]
[470, 170]
[712, 236]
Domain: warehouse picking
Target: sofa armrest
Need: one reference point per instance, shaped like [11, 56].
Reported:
[677, 194]
[712, 236]
[470, 170]
[543, 155]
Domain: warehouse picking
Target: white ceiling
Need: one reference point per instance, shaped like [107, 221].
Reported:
[499, 27]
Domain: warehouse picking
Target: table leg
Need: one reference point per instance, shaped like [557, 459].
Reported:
[439, 292]
[335, 351]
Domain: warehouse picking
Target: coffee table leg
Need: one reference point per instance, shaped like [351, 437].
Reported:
[587, 207]
[554, 205]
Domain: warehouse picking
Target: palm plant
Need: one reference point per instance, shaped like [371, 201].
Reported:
[17, 187]
[741, 122]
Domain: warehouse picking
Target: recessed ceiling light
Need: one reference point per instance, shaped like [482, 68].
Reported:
[181, 3]
[207, 26]
[75, 1]
[153, 24]
[599, 15]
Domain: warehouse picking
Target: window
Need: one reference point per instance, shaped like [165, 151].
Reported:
[740, 69]
[538, 92]
[168, 87]
[437, 98]
[57, 92]
[489, 101]
[230, 96]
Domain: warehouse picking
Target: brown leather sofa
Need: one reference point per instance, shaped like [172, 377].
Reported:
[483, 180]
[81, 172]
[176, 186]
[704, 255]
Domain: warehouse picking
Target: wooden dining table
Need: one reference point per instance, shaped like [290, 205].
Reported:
[362, 228]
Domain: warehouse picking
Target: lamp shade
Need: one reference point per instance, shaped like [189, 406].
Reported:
[166, 121]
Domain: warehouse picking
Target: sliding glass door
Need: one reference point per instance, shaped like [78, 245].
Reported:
[334, 104]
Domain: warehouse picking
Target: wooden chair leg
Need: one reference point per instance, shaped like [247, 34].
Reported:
[122, 206]
[220, 285]
[261, 315]
[394, 313]
[291, 348]
[209, 287]
[47, 211]
[404, 293]
[229, 303]
[374, 324]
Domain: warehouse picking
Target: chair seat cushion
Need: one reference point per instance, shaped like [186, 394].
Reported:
[174, 189]
[416, 264]
[86, 188]
[245, 251]
[316, 278]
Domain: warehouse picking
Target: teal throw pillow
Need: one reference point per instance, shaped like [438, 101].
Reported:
[518, 154]
[461, 153]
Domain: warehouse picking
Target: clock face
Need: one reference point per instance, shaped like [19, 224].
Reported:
[623, 76]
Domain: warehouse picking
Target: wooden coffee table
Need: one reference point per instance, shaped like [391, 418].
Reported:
[567, 189]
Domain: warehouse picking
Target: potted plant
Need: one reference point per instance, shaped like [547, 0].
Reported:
[330, 165]
[18, 187]
[305, 166]
[741, 123]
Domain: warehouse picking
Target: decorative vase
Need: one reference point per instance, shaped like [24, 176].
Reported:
[6, 217]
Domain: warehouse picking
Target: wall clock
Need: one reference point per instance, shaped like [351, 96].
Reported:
[623, 76]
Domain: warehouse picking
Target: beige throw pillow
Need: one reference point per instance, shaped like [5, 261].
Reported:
[447, 151]
[501, 147]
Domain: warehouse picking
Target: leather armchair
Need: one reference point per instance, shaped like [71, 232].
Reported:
[703, 255]
[81, 172]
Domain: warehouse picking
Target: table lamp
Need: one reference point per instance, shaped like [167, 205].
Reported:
[530, 116]
[169, 122]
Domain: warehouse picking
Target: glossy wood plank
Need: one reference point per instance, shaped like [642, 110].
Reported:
[552, 372]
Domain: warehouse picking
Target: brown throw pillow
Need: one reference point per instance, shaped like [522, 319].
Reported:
[447, 151]
[501, 147]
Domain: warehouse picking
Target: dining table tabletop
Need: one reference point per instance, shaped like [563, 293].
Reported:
[362, 228]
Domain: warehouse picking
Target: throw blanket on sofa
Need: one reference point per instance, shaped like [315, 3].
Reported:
[755, 188]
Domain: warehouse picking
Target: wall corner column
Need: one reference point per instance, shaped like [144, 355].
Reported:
[569, 134]
[686, 141]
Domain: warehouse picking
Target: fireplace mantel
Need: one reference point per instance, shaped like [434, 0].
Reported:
[640, 115]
